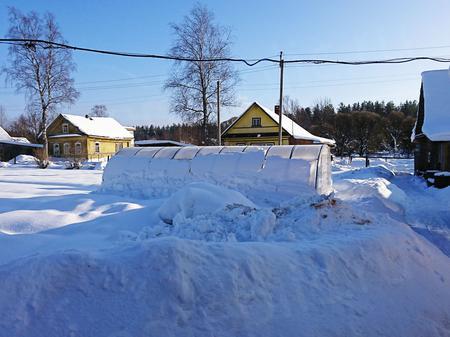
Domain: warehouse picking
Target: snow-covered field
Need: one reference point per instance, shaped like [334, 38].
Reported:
[373, 261]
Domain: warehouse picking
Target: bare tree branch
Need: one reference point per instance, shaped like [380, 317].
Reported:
[193, 84]
[43, 72]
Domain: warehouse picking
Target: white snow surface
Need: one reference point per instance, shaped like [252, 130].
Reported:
[200, 198]
[99, 126]
[76, 262]
[436, 88]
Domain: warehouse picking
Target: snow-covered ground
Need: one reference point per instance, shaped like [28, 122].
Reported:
[78, 262]
[389, 187]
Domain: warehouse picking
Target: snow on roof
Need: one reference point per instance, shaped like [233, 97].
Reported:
[21, 140]
[294, 129]
[66, 135]
[18, 143]
[5, 138]
[436, 91]
[99, 126]
[4, 135]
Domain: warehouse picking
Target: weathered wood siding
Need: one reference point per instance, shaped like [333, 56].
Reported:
[243, 133]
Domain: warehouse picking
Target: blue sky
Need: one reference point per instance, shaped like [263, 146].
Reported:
[132, 88]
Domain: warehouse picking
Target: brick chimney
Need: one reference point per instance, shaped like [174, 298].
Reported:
[277, 109]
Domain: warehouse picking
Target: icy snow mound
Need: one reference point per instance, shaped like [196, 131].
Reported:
[199, 198]
[296, 220]
[24, 160]
[378, 171]
[406, 198]
[232, 223]
[371, 183]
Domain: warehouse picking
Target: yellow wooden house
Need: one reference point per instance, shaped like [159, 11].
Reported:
[87, 138]
[258, 125]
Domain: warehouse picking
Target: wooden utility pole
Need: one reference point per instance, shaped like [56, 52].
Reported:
[219, 129]
[280, 119]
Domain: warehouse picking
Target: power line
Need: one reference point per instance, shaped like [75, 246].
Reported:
[49, 44]
[368, 51]
[271, 85]
[334, 84]
[405, 75]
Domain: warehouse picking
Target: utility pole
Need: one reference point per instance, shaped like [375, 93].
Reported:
[280, 119]
[219, 129]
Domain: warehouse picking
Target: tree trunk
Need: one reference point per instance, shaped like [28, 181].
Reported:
[205, 115]
[44, 158]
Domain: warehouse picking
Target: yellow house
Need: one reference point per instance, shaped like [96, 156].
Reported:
[259, 126]
[87, 138]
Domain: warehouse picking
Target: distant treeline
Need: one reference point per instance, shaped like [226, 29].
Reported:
[186, 133]
[360, 128]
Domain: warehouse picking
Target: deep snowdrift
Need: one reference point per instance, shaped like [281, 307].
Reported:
[404, 197]
[308, 267]
[373, 282]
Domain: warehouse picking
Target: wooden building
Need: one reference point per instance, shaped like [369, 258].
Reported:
[11, 147]
[431, 134]
[259, 126]
[87, 138]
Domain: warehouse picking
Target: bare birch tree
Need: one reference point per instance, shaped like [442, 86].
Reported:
[193, 84]
[41, 71]
[3, 117]
[99, 110]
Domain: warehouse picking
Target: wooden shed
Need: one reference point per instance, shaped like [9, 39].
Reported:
[431, 134]
[11, 147]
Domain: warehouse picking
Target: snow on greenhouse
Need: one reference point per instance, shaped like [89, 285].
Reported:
[259, 172]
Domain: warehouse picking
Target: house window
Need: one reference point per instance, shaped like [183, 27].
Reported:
[78, 148]
[119, 146]
[256, 122]
[65, 128]
[97, 147]
[56, 152]
[66, 149]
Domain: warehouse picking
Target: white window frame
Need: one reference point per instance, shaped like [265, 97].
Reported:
[119, 146]
[97, 147]
[56, 150]
[65, 128]
[256, 125]
[66, 149]
[78, 148]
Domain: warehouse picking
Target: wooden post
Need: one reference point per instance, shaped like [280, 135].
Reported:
[219, 128]
[280, 118]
